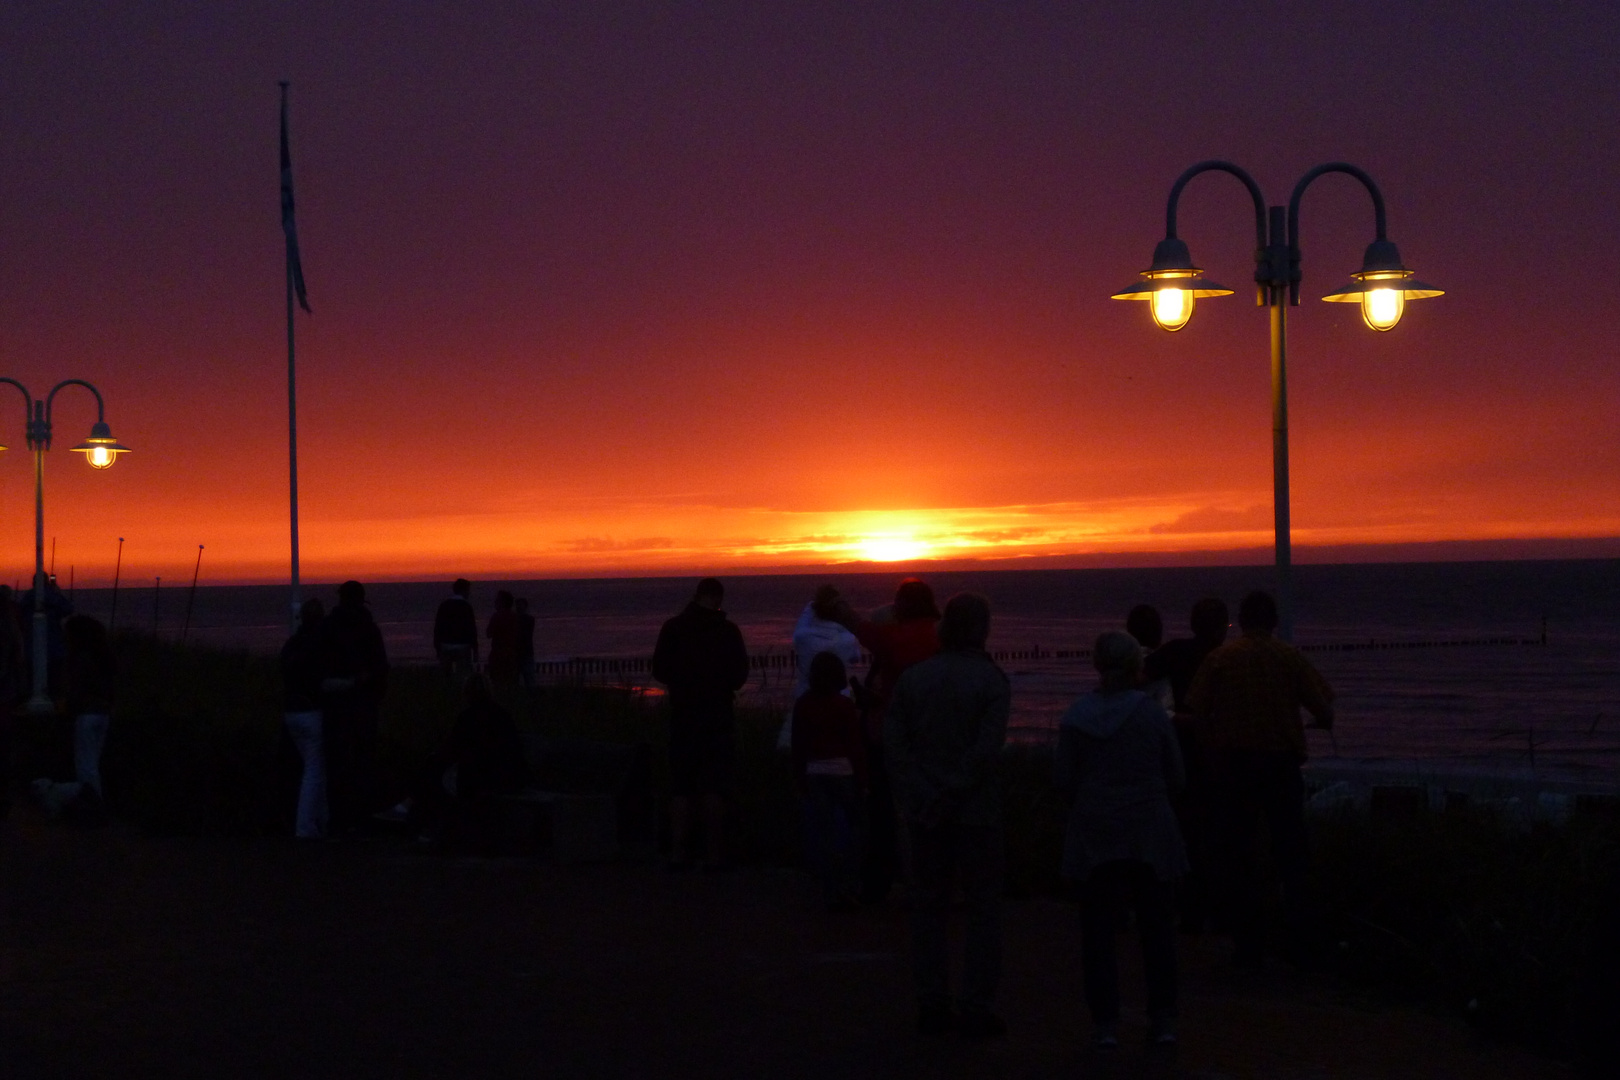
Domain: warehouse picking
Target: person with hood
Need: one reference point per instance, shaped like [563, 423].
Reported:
[1118, 759]
[700, 657]
[829, 767]
[817, 632]
[943, 735]
[355, 677]
[895, 644]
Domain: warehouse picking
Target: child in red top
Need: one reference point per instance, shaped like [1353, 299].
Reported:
[829, 763]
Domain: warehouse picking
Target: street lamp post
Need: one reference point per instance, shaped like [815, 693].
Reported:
[1173, 284]
[100, 450]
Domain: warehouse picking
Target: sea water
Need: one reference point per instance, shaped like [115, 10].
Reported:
[1552, 708]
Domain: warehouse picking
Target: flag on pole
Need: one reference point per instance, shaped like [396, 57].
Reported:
[288, 224]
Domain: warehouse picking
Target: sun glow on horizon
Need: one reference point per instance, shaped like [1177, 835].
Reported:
[892, 548]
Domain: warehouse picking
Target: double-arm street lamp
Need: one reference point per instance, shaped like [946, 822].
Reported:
[100, 450]
[1173, 284]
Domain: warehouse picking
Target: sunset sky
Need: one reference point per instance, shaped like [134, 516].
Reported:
[655, 287]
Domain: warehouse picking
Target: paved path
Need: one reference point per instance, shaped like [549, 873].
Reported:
[123, 955]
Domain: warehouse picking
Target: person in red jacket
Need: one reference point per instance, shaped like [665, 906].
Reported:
[829, 763]
[895, 645]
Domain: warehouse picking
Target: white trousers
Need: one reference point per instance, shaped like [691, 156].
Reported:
[305, 729]
[89, 736]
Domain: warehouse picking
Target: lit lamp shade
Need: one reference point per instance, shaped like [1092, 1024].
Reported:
[101, 449]
[1172, 285]
[1382, 287]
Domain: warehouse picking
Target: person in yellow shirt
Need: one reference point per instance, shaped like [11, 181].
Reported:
[1247, 696]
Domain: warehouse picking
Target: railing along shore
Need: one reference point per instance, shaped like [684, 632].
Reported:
[610, 666]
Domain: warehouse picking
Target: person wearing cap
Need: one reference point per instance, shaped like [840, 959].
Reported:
[1118, 760]
[943, 735]
[354, 679]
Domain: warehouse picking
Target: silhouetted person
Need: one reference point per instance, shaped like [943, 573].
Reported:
[483, 757]
[943, 734]
[1178, 659]
[895, 646]
[525, 642]
[503, 641]
[354, 681]
[89, 672]
[455, 632]
[1146, 628]
[303, 666]
[1248, 694]
[1118, 760]
[819, 631]
[1176, 662]
[701, 659]
[13, 687]
[829, 765]
[816, 632]
[57, 609]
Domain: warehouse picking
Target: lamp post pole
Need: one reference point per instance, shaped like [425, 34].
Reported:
[1173, 284]
[101, 450]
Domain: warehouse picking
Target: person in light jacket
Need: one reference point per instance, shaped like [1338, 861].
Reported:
[814, 634]
[1118, 759]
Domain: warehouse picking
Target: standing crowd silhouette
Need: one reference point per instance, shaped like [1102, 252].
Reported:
[1170, 767]
[1173, 767]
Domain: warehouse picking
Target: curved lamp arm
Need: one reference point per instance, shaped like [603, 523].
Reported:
[1293, 214]
[50, 399]
[1322, 170]
[1218, 166]
[28, 399]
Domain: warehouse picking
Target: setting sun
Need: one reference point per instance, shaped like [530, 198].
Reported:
[892, 548]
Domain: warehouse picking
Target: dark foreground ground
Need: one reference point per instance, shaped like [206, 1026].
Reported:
[125, 955]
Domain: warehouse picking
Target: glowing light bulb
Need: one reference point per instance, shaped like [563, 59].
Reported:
[101, 458]
[1382, 308]
[1172, 308]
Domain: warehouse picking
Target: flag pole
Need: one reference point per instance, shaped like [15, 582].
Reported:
[118, 567]
[292, 368]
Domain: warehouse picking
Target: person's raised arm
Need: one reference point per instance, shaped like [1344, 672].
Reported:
[1170, 760]
[663, 659]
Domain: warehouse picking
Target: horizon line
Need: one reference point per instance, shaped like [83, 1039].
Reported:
[1571, 549]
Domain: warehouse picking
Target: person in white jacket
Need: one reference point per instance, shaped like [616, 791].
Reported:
[815, 633]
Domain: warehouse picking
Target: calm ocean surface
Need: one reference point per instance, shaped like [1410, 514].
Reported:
[1556, 708]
